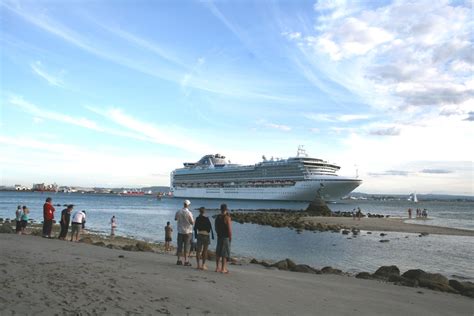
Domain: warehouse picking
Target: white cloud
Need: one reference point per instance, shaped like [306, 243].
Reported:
[397, 55]
[53, 80]
[50, 115]
[281, 127]
[320, 117]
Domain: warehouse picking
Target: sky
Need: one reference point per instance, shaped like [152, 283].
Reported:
[120, 93]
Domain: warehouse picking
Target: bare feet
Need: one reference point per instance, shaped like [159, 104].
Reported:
[225, 271]
[218, 270]
[204, 267]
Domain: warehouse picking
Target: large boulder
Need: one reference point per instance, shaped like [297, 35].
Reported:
[465, 288]
[385, 272]
[86, 240]
[330, 270]
[318, 207]
[364, 275]
[304, 268]
[6, 229]
[286, 264]
[399, 280]
[144, 246]
[413, 274]
[432, 281]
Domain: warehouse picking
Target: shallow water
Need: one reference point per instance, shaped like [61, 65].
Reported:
[144, 217]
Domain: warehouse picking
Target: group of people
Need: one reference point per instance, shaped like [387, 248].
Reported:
[203, 233]
[419, 213]
[21, 219]
[357, 214]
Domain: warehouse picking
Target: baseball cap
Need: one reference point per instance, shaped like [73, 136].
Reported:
[187, 202]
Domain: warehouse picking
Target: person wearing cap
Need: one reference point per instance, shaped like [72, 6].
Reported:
[78, 221]
[65, 219]
[223, 226]
[202, 230]
[185, 222]
[48, 217]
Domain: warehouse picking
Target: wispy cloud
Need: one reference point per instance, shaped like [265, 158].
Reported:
[281, 127]
[401, 173]
[40, 113]
[138, 130]
[436, 171]
[320, 117]
[53, 80]
[165, 135]
[388, 131]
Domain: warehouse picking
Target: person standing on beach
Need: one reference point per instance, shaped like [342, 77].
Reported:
[409, 213]
[48, 217]
[168, 236]
[65, 219]
[18, 219]
[185, 223]
[78, 220]
[113, 225]
[223, 225]
[202, 229]
[359, 213]
[24, 219]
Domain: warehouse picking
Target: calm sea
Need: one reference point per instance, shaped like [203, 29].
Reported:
[144, 217]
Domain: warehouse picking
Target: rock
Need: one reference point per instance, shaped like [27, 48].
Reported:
[345, 232]
[254, 261]
[465, 288]
[121, 256]
[99, 243]
[86, 240]
[433, 281]
[385, 272]
[330, 270]
[112, 246]
[399, 280]
[130, 248]
[384, 240]
[369, 233]
[364, 275]
[383, 234]
[318, 207]
[413, 274]
[303, 268]
[265, 264]
[6, 229]
[424, 234]
[144, 246]
[286, 264]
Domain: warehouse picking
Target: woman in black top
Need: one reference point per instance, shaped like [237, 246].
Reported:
[202, 229]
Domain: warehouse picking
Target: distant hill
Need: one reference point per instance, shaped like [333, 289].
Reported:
[424, 197]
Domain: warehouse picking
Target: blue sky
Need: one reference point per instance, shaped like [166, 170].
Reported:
[121, 93]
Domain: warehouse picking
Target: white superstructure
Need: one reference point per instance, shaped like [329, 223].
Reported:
[299, 178]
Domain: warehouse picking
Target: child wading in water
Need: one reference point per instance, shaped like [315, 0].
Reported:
[168, 234]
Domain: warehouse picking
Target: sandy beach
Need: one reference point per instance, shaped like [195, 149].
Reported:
[45, 277]
[388, 225]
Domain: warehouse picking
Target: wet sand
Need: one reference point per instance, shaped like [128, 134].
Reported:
[388, 225]
[45, 277]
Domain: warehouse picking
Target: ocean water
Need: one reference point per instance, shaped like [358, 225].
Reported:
[144, 217]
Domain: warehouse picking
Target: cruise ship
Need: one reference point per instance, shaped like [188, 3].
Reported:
[299, 178]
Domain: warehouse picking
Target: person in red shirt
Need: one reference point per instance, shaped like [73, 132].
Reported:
[48, 216]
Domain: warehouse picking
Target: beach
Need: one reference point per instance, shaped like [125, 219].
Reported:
[46, 277]
[388, 225]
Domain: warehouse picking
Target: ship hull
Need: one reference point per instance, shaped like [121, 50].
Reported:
[307, 191]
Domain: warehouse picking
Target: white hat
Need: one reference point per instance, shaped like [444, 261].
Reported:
[187, 202]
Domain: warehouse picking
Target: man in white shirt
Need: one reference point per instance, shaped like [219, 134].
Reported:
[185, 227]
[78, 221]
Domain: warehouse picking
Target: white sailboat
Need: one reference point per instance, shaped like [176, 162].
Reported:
[413, 198]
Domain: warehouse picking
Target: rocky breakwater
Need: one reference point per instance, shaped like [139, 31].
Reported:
[419, 278]
[391, 274]
[290, 219]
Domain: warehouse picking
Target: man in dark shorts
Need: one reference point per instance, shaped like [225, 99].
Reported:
[223, 226]
[202, 229]
[65, 219]
[48, 217]
[18, 219]
[168, 236]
